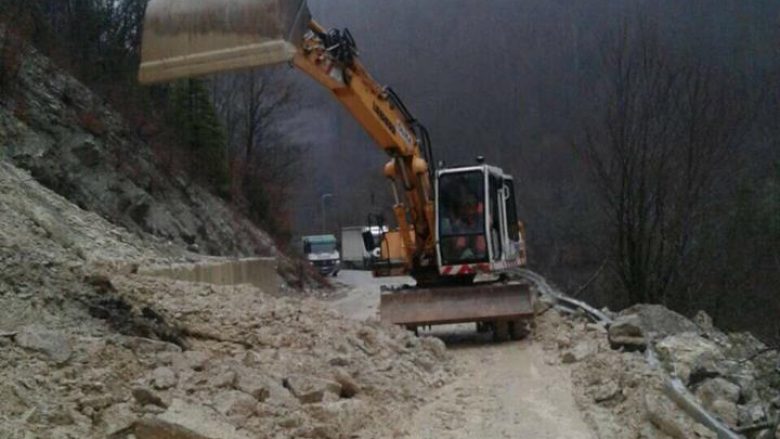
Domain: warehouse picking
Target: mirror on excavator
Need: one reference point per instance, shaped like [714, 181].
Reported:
[185, 38]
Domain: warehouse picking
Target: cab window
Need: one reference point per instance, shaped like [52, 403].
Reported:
[462, 217]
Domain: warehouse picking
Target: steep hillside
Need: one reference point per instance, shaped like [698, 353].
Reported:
[73, 143]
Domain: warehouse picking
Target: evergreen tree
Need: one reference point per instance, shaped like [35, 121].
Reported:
[200, 131]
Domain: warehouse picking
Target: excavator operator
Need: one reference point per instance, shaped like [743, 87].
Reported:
[466, 225]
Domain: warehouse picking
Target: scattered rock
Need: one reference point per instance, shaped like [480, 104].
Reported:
[186, 421]
[349, 387]
[145, 396]
[96, 402]
[689, 355]
[54, 344]
[163, 378]
[605, 391]
[579, 352]
[667, 417]
[142, 345]
[310, 389]
[117, 419]
[236, 405]
[716, 389]
[225, 378]
[725, 410]
[626, 332]
[563, 341]
[195, 360]
[254, 384]
[751, 414]
[658, 321]
[436, 346]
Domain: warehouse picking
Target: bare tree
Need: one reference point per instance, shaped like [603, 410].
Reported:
[265, 160]
[668, 124]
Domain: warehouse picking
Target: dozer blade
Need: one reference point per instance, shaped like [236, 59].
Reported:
[186, 38]
[442, 305]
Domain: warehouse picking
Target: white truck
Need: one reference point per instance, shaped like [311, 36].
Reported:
[353, 246]
[323, 253]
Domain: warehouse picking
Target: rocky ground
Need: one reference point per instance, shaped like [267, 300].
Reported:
[733, 376]
[90, 349]
[214, 362]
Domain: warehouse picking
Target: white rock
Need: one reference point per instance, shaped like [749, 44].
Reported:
[310, 389]
[163, 378]
[54, 344]
[186, 421]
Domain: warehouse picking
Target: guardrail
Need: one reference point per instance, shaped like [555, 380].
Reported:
[260, 272]
[674, 389]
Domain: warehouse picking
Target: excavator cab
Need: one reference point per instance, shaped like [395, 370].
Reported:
[476, 218]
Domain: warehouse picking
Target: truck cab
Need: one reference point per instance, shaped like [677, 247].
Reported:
[322, 252]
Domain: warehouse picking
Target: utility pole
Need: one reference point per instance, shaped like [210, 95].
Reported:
[322, 202]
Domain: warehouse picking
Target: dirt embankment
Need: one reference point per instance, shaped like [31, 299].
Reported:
[90, 349]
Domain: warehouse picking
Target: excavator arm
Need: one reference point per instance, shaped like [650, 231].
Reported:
[183, 38]
[330, 58]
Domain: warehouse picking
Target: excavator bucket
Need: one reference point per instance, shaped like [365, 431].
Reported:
[186, 38]
[414, 307]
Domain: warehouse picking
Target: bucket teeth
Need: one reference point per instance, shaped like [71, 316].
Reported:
[185, 38]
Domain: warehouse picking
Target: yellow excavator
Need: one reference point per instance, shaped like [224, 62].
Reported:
[457, 230]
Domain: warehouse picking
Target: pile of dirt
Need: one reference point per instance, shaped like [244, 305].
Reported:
[90, 349]
[243, 364]
[620, 387]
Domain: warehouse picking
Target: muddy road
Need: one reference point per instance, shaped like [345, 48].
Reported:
[503, 390]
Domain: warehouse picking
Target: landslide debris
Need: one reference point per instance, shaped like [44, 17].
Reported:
[90, 349]
[733, 376]
[256, 366]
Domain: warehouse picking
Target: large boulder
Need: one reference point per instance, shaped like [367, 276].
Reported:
[690, 357]
[720, 397]
[183, 420]
[657, 321]
[54, 344]
[667, 417]
[309, 389]
[626, 332]
[117, 419]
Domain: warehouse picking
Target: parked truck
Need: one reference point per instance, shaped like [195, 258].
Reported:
[323, 253]
[354, 253]
[353, 249]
